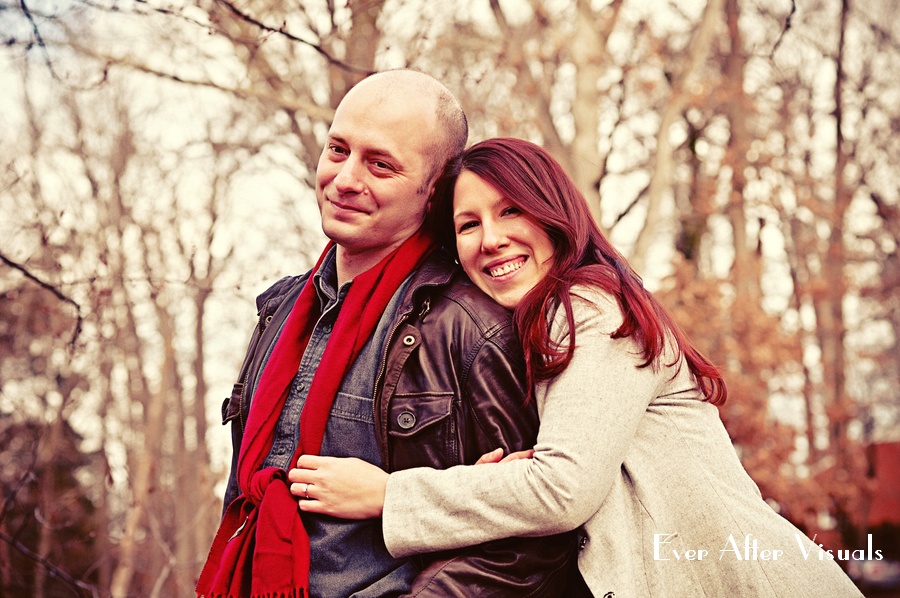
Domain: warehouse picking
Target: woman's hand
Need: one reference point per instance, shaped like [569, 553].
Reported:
[496, 456]
[348, 488]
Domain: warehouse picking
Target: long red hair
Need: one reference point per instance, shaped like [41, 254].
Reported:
[535, 183]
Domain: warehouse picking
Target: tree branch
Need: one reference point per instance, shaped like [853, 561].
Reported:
[787, 26]
[300, 104]
[59, 294]
[75, 584]
[38, 38]
[283, 31]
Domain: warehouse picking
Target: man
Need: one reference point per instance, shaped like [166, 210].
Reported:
[383, 352]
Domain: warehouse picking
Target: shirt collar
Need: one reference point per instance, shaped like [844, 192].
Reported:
[325, 280]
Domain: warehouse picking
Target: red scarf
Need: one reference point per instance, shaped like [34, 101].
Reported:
[261, 548]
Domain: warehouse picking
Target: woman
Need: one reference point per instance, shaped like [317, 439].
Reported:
[631, 447]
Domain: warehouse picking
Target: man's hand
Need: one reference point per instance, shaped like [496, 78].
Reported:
[348, 488]
[495, 456]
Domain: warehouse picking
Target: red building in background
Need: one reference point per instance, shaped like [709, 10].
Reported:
[882, 520]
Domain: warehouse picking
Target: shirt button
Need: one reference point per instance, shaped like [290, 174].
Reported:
[406, 420]
[409, 340]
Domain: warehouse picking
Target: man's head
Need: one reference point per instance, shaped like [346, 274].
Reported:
[391, 137]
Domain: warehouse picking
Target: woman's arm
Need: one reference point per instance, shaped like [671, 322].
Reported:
[589, 416]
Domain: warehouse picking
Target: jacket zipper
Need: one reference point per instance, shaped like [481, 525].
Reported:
[426, 307]
[384, 356]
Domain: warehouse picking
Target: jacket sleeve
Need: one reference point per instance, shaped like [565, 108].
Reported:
[515, 567]
[231, 412]
[236, 406]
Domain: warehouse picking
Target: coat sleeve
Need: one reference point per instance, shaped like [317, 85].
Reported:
[589, 416]
[509, 567]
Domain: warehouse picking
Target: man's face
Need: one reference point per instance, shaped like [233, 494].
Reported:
[371, 179]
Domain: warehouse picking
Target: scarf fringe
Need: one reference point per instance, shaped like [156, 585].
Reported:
[295, 593]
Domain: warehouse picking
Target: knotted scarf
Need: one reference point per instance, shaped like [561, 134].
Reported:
[261, 548]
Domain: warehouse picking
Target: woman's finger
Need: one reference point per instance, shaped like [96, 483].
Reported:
[492, 457]
[518, 455]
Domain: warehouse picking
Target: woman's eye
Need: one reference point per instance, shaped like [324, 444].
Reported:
[466, 226]
[510, 211]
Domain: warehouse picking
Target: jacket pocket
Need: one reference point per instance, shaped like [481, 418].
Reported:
[423, 431]
[231, 407]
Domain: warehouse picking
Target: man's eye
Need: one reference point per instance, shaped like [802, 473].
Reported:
[382, 165]
[336, 149]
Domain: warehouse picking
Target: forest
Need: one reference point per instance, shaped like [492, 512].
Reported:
[157, 163]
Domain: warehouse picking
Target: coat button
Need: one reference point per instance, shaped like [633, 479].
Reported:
[406, 420]
[409, 340]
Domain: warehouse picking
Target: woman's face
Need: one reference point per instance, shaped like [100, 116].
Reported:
[503, 250]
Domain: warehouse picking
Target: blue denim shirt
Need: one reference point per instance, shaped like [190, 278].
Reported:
[348, 557]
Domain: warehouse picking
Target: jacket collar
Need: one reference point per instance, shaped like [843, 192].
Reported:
[436, 272]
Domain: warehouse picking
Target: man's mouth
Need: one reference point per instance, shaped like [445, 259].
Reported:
[506, 267]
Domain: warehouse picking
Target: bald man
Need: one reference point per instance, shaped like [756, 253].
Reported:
[384, 352]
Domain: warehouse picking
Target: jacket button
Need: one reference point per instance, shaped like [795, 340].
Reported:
[409, 340]
[406, 420]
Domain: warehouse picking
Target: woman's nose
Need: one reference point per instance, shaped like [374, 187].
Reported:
[493, 238]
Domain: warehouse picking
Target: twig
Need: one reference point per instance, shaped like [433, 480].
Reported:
[787, 26]
[38, 37]
[76, 584]
[282, 31]
[39, 40]
[59, 294]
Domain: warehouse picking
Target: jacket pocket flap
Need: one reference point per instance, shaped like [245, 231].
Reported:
[231, 407]
[412, 413]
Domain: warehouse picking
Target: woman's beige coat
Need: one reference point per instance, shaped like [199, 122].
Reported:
[646, 467]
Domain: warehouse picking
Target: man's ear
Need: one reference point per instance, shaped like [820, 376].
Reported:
[429, 203]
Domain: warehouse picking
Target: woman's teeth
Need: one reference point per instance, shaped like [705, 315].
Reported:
[507, 268]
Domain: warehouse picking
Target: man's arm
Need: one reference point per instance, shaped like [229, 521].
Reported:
[236, 407]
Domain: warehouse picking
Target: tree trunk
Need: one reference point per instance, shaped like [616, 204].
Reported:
[143, 475]
[589, 54]
[663, 166]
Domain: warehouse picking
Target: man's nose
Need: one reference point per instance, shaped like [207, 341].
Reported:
[348, 178]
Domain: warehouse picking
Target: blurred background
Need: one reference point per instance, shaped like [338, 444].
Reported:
[156, 168]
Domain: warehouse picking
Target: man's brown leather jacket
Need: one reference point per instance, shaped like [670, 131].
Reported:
[450, 388]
